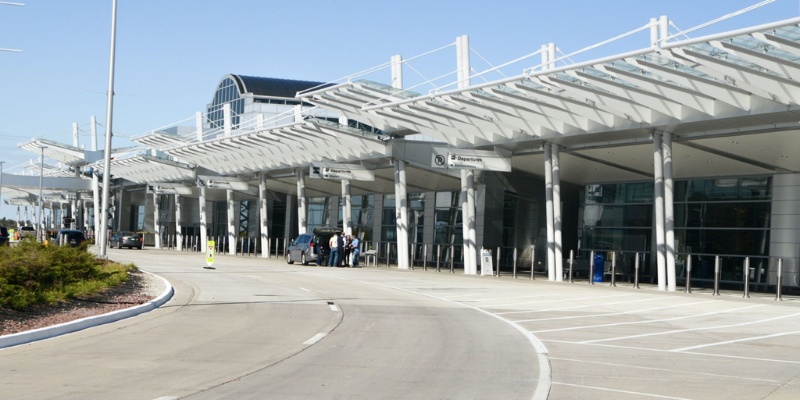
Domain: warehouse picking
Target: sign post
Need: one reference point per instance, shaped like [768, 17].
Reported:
[486, 262]
[210, 254]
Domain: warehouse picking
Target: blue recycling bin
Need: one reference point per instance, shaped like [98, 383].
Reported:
[599, 267]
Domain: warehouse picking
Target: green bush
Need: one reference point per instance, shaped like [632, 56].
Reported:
[32, 274]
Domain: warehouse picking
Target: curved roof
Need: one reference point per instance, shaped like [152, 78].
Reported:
[273, 87]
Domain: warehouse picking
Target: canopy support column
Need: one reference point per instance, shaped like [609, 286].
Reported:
[470, 258]
[669, 214]
[347, 210]
[301, 202]
[263, 214]
[548, 182]
[231, 222]
[401, 206]
[203, 218]
[658, 163]
[156, 220]
[178, 224]
[557, 246]
[96, 201]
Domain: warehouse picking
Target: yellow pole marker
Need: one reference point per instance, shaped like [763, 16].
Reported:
[210, 254]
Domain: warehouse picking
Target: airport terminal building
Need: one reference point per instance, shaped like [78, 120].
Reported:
[682, 150]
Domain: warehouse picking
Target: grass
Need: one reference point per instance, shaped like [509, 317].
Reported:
[35, 274]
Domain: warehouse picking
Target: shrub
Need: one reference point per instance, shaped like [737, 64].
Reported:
[32, 274]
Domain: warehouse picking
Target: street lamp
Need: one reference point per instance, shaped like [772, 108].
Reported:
[109, 121]
[39, 227]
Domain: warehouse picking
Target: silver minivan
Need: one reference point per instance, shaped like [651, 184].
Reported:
[312, 247]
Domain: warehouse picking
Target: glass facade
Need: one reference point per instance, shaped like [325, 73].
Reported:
[227, 92]
[416, 218]
[318, 212]
[363, 209]
[447, 218]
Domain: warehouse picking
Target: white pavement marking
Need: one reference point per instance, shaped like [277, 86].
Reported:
[545, 372]
[465, 295]
[658, 396]
[302, 288]
[584, 306]
[333, 306]
[694, 329]
[665, 370]
[674, 352]
[736, 341]
[315, 339]
[516, 297]
[649, 321]
[166, 398]
[553, 301]
[616, 313]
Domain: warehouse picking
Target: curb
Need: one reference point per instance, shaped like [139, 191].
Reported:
[88, 322]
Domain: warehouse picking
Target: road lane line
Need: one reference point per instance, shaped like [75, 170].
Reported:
[315, 339]
[516, 297]
[553, 301]
[694, 329]
[302, 288]
[701, 346]
[617, 313]
[649, 321]
[665, 370]
[674, 352]
[590, 305]
[658, 396]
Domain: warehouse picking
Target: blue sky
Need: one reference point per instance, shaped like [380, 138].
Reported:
[172, 53]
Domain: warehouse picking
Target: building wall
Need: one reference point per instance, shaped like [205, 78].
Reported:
[785, 228]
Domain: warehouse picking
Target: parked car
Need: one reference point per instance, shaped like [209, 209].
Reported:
[127, 239]
[70, 237]
[27, 231]
[4, 237]
[306, 247]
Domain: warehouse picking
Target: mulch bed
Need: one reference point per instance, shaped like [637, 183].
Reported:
[128, 294]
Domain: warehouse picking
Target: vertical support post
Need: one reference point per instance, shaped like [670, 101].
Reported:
[464, 213]
[669, 215]
[658, 165]
[636, 276]
[533, 261]
[613, 269]
[198, 121]
[411, 259]
[663, 29]
[779, 284]
[401, 201]
[75, 136]
[93, 130]
[688, 274]
[259, 122]
[301, 201]
[347, 210]
[452, 259]
[425, 257]
[471, 262]
[178, 224]
[96, 204]
[397, 71]
[591, 268]
[654, 32]
[231, 214]
[227, 120]
[746, 294]
[263, 215]
[548, 181]
[557, 250]
[462, 61]
[497, 269]
[438, 258]
[716, 276]
[551, 55]
[203, 218]
[156, 220]
[514, 273]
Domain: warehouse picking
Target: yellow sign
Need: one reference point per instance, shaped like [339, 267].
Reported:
[210, 252]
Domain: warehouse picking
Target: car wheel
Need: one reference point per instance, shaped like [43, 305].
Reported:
[289, 258]
[303, 259]
[140, 247]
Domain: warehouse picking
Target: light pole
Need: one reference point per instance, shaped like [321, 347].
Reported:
[41, 201]
[109, 120]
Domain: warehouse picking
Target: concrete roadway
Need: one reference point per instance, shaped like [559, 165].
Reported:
[258, 328]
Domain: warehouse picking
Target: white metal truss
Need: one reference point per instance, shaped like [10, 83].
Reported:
[287, 146]
[161, 140]
[744, 73]
[144, 168]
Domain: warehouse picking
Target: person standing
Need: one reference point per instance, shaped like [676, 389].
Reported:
[354, 255]
[348, 248]
[340, 253]
[333, 259]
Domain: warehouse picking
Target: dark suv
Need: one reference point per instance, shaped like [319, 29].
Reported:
[4, 238]
[70, 237]
[312, 247]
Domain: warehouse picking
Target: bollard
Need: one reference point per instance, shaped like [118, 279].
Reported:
[533, 261]
[425, 257]
[570, 266]
[452, 259]
[779, 287]
[515, 263]
[498, 261]
[613, 269]
[285, 247]
[388, 253]
[716, 276]
[438, 258]
[413, 253]
[688, 274]
[636, 274]
[591, 268]
[746, 294]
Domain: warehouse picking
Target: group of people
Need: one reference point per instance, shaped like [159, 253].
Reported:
[343, 251]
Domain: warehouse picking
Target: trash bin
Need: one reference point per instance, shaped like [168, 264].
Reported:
[599, 267]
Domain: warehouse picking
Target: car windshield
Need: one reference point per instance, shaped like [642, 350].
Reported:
[73, 235]
[127, 233]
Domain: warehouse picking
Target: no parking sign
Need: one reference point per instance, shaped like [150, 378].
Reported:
[210, 253]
